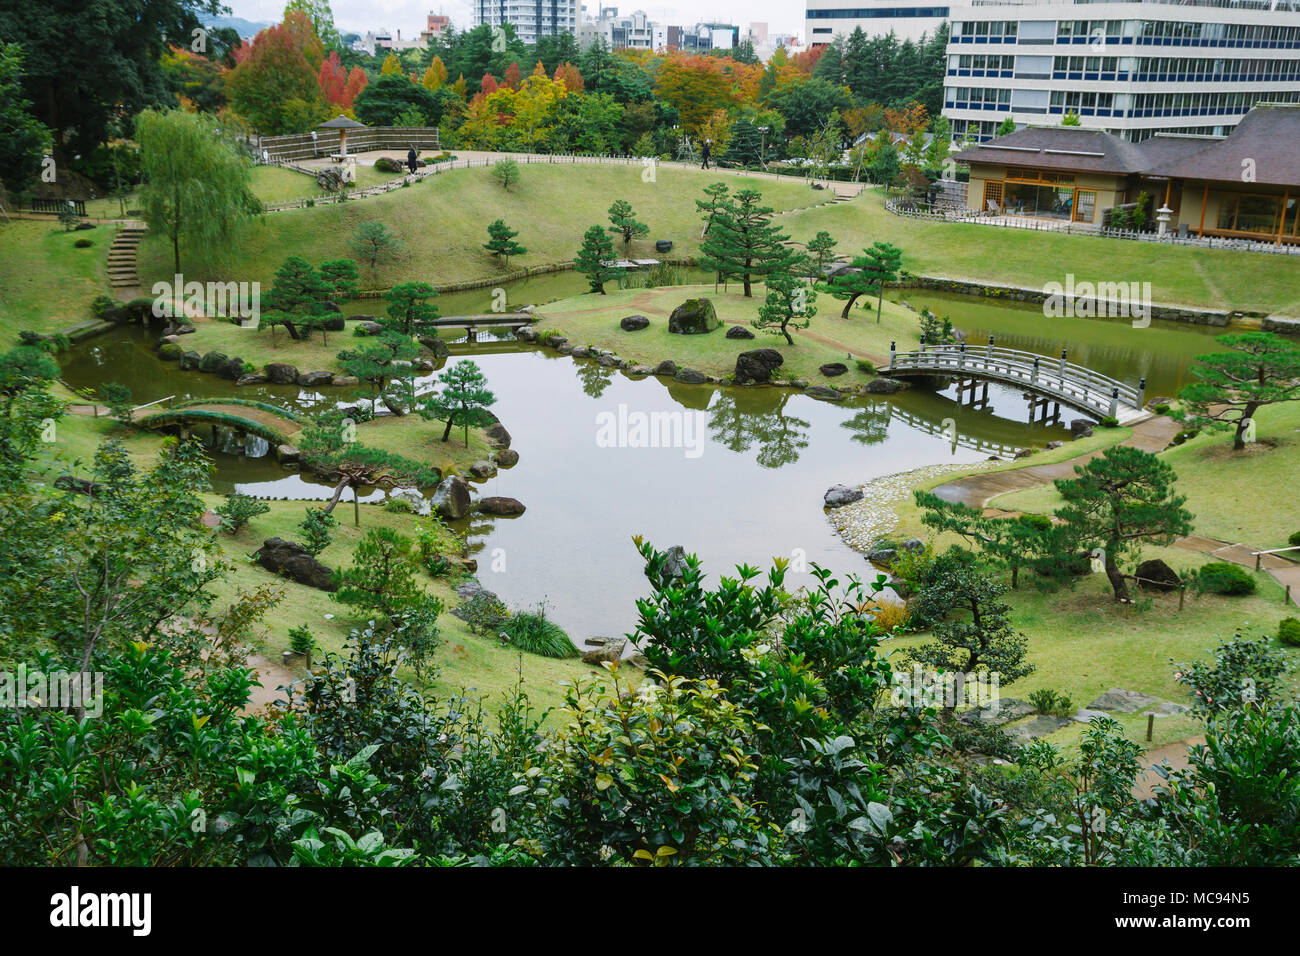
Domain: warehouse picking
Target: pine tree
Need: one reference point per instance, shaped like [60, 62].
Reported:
[1260, 369]
[297, 298]
[743, 242]
[715, 198]
[410, 312]
[821, 250]
[852, 284]
[501, 242]
[881, 262]
[790, 303]
[746, 145]
[374, 243]
[341, 276]
[594, 257]
[624, 221]
[463, 400]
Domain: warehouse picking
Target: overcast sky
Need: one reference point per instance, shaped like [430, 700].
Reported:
[358, 16]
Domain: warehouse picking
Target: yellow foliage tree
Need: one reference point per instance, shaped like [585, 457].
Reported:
[435, 76]
[391, 65]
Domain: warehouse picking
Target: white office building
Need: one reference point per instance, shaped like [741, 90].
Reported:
[530, 18]
[636, 31]
[1133, 69]
[909, 19]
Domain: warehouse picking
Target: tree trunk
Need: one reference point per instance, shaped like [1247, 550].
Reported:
[338, 493]
[848, 305]
[447, 431]
[1247, 415]
[788, 340]
[1117, 582]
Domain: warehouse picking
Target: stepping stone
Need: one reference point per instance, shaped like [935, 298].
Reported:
[1002, 711]
[1083, 715]
[1166, 708]
[1123, 701]
[1040, 726]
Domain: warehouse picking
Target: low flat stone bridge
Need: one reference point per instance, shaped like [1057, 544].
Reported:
[491, 320]
[277, 425]
[1045, 381]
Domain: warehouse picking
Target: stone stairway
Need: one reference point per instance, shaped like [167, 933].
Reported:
[122, 256]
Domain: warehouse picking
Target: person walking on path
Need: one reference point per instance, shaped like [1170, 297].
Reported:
[411, 160]
[705, 153]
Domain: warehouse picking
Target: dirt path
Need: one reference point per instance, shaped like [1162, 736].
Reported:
[272, 675]
[1174, 754]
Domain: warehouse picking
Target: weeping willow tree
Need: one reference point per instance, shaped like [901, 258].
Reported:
[196, 189]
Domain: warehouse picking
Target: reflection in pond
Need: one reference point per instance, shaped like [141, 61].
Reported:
[738, 420]
[595, 378]
[870, 426]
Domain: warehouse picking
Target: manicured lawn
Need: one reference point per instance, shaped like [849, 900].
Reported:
[594, 320]
[1245, 496]
[443, 222]
[467, 661]
[46, 283]
[1207, 278]
[417, 438]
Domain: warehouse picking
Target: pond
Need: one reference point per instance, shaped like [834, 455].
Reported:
[741, 479]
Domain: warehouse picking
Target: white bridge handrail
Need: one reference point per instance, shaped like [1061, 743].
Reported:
[1056, 377]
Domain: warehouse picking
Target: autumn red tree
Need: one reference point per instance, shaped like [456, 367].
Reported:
[697, 86]
[275, 86]
[569, 75]
[489, 84]
[357, 81]
[333, 79]
[513, 77]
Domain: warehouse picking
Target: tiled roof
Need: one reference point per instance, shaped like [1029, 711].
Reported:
[1264, 148]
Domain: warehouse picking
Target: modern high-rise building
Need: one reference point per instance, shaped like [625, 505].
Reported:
[909, 19]
[1133, 68]
[636, 31]
[530, 18]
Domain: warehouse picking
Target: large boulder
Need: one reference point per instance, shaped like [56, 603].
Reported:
[885, 557]
[837, 496]
[611, 651]
[666, 367]
[1119, 700]
[739, 332]
[233, 369]
[505, 457]
[213, 361]
[190, 360]
[281, 373]
[451, 498]
[633, 323]
[335, 323]
[884, 386]
[369, 328]
[756, 366]
[693, 317]
[170, 352]
[832, 369]
[482, 470]
[440, 350]
[1081, 428]
[1155, 575]
[497, 436]
[689, 376]
[309, 379]
[496, 505]
[673, 570]
[294, 562]
[824, 391]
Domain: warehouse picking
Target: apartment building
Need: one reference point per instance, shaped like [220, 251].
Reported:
[530, 18]
[1133, 69]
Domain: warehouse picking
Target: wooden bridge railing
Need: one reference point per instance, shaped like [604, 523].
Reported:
[1056, 378]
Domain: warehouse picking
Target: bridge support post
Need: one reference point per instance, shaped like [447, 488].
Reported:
[893, 350]
[471, 334]
[1061, 369]
[1114, 401]
[989, 352]
[1142, 393]
[984, 397]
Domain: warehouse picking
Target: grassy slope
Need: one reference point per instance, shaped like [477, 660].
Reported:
[1207, 278]
[467, 660]
[593, 320]
[443, 222]
[46, 283]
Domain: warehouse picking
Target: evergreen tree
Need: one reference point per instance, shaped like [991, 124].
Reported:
[852, 284]
[594, 259]
[624, 221]
[714, 201]
[821, 250]
[297, 298]
[463, 400]
[881, 263]
[1117, 500]
[341, 277]
[1260, 369]
[410, 311]
[746, 145]
[744, 243]
[501, 241]
[374, 243]
[790, 302]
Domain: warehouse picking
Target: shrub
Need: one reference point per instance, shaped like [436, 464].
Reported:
[1244, 672]
[84, 243]
[1294, 540]
[386, 165]
[1288, 631]
[238, 510]
[399, 506]
[301, 640]
[867, 366]
[1051, 703]
[534, 632]
[484, 613]
[1221, 577]
[1109, 422]
[888, 616]
[316, 526]
[506, 172]
[1161, 409]
[101, 304]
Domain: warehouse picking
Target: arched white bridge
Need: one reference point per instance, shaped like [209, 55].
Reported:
[1045, 380]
